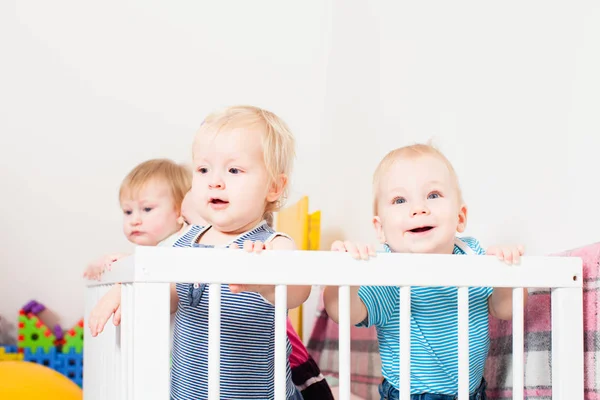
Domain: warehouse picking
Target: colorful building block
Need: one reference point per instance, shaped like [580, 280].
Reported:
[40, 356]
[9, 353]
[72, 366]
[74, 339]
[59, 350]
[33, 307]
[33, 333]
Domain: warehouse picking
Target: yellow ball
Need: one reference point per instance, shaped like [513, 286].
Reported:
[27, 380]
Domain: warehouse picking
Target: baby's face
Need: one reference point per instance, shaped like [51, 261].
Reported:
[231, 185]
[418, 206]
[150, 216]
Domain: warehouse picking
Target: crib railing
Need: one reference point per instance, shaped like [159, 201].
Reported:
[132, 361]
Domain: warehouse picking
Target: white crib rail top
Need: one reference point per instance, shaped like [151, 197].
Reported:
[160, 264]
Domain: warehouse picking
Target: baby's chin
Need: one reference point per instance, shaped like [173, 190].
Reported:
[143, 241]
[415, 248]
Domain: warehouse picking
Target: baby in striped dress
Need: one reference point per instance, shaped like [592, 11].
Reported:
[418, 208]
[242, 160]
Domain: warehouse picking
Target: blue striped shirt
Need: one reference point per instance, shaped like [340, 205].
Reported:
[247, 336]
[434, 331]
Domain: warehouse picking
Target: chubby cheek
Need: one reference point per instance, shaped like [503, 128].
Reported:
[391, 229]
[198, 188]
[158, 225]
[451, 220]
[395, 223]
[249, 197]
[126, 228]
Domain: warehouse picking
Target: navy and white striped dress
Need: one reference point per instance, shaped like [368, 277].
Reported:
[247, 335]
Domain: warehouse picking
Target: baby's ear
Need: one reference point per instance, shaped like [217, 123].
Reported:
[462, 219]
[276, 188]
[379, 229]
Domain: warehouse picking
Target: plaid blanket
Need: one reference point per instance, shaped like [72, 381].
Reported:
[364, 353]
[538, 372]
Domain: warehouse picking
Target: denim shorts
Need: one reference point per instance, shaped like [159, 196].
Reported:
[296, 396]
[388, 392]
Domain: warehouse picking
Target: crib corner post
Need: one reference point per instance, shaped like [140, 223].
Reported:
[150, 338]
[567, 343]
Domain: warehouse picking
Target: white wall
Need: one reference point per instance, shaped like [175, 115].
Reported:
[509, 91]
[89, 90]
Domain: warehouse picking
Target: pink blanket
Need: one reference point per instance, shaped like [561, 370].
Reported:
[538, 341]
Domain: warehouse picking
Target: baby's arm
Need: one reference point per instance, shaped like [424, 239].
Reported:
[296, 294]
[174, 298]
[358, 310]
[95, 270]
[500, 303]
[110, 304]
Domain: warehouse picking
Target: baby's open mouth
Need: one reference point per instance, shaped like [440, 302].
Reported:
[421, 229]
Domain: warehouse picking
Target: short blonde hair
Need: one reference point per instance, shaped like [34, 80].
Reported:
[411, 151]
[177, 177]
[278, 142]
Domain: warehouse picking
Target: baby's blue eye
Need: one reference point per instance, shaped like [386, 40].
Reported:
[399, 200]
[234, 171]
[147, 209]
[203, 170]
[434, 195]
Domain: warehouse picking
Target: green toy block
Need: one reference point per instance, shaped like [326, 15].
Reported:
[74, 339]
[34, 334]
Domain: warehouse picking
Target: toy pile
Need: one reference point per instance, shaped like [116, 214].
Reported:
[61, 351]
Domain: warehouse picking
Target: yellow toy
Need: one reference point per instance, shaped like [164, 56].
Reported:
[4, 356]
[26, 380]
[305, 229]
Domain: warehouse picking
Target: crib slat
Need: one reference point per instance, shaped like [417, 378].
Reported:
[463, 343]
[280, 342]
[567, 343]
[127, 338]
[89, 350]
[405, 342]
[118, 356]
[150, 327]
[344, 341]
[214, 341]
[518, 343]
[111, 341]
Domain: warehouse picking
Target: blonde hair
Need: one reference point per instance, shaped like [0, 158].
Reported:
[278, 142]
[177, 177]
[411, 151]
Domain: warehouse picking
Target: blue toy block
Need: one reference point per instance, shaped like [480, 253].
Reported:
[69, 364]
[72, 365]
[10, 349]
[41, 357]
[73, 359]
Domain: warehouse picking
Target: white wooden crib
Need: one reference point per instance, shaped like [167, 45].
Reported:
[132, 361]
